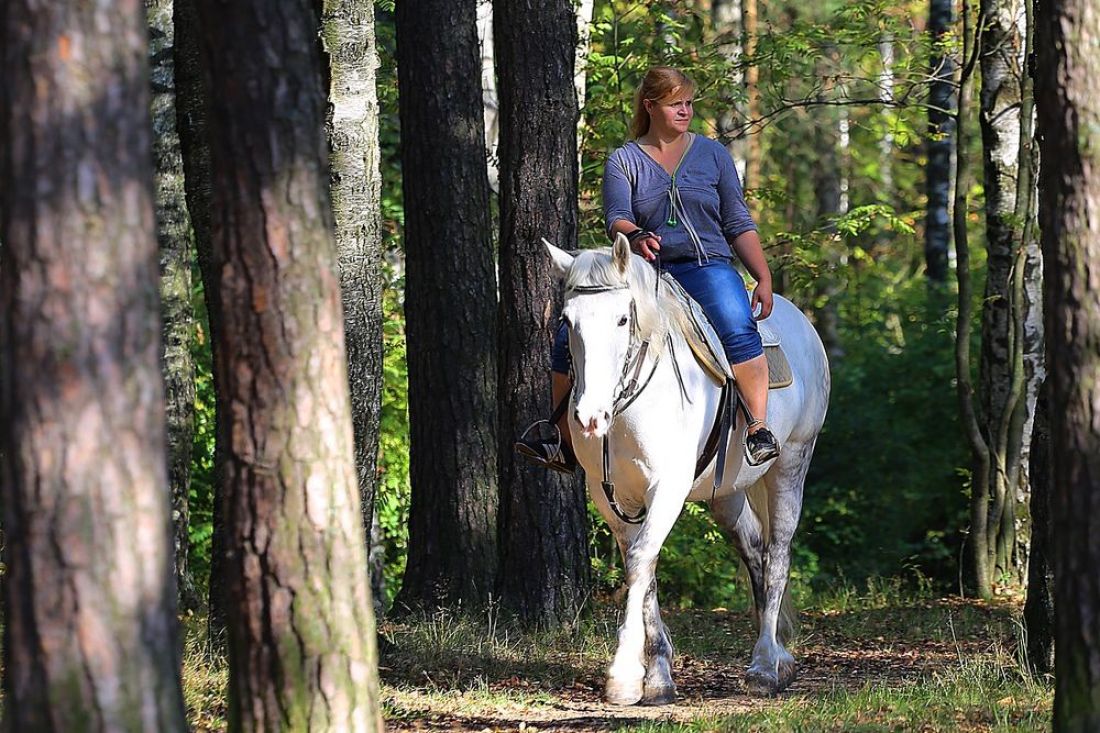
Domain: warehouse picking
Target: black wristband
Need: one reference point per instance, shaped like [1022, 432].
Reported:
[637, 234]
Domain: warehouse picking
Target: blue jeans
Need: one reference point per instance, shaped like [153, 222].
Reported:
[719, 289]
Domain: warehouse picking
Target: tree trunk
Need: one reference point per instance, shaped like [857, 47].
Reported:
[355, 182]
[192, 119]
[543, 526]
[174, 240]
[90, 635]
[585, 9]
[301, 652]
[489, 91]
[941, 130]
[1067, 33]
[1039, 608]
[450, 307]
[1003, 390]
[981, 569]
[753, 157]
[728, 25]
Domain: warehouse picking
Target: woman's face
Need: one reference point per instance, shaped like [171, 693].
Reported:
[671, 115]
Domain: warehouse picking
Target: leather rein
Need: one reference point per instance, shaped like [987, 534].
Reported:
[629, 391]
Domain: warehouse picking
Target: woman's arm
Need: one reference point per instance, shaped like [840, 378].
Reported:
[751, 253]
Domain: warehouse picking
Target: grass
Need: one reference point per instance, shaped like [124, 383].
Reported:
[886, 657]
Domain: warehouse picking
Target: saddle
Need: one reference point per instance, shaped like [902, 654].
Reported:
[707, 347]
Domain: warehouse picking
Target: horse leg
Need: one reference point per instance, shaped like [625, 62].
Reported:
[745, 531]
[773, 668]
[659, 689]
[643, 637]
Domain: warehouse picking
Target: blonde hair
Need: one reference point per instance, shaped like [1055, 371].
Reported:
[660, 83]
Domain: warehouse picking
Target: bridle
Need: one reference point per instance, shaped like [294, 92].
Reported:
[627, 390]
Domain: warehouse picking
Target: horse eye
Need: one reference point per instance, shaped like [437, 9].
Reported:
[622, 321]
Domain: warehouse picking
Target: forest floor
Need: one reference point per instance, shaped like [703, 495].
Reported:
[869, 663]
[875, 664]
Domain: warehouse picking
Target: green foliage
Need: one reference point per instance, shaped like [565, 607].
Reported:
[392, 501]
[201, 492]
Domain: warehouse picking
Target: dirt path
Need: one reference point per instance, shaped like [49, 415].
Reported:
[889, 647]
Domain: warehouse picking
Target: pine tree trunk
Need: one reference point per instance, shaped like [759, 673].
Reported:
[192, 113]
[91, 638]
[300, 628]
[347, 29]
[450, 308]
[941, 130]
[1039, 608]
[544, 546]
[174, 240]
[1067, 33]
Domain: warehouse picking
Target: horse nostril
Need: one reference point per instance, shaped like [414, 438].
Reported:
[577, 416]
[606, 416]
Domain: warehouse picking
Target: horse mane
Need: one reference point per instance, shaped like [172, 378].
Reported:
[659, 312]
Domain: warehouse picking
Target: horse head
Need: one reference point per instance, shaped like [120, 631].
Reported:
[601, 313]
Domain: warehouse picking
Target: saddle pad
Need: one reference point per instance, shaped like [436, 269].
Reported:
[707, 347]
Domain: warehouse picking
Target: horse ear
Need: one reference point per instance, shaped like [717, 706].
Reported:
[560, 261]
[620, 253]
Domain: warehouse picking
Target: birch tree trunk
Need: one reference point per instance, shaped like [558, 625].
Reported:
[941, 131]
[1007, 387]
[355, 184]
[1067, 34]
[174, 242]
[300, 632]
[489, 91]
[727, 19]
[90, 633]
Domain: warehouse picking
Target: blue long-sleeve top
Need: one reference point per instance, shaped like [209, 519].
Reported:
[695, 211]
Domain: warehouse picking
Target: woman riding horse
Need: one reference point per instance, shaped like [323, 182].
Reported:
[677, 198]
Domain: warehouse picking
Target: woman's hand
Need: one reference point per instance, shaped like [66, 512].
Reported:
[762, 296]
[647, 245]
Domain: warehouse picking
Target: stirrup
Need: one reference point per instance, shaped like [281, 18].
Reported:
[552, 453]
[762, 450]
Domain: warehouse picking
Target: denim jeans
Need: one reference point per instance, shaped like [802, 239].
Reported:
[719, 289]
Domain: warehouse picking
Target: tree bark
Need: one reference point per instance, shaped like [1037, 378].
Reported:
[91, 639]
[1069, 130]
[727, 20]
[355, 183]
[1006, 388]
[941, 130]
[300, 631]
[192, 120]
[1039, 622]
[543, 525]
[450, 307]
[174, 241]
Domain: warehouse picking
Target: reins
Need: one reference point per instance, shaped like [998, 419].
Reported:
[717, 441]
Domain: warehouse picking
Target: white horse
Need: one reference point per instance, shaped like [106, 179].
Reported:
[613, 305]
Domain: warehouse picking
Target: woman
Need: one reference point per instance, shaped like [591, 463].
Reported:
[677, 198]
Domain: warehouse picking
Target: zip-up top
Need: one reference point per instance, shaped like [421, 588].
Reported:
[694, 210]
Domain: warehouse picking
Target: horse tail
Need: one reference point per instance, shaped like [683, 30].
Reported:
[787, 627]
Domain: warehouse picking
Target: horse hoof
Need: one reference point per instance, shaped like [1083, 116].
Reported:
[761, 684]
[788, 673]
[662, 695]
[619, 693]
